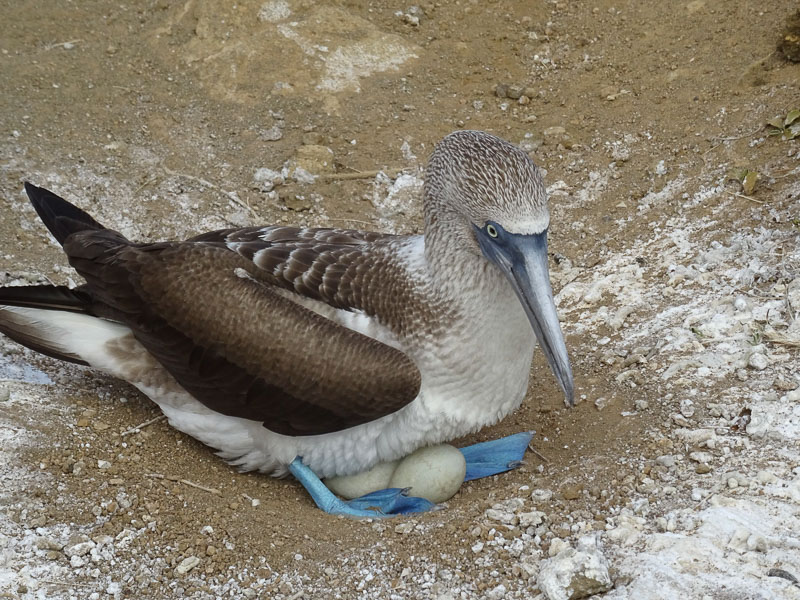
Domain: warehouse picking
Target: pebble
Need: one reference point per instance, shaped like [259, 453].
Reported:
[79, 549]
[780, 383]
[187, 564]
[700, 457]
[501, 90]
[554, 135]
[666, 461]
[404, 528]
[765, 477]
[687, 408]
[273, 134]
[531, 519]
[757, 361]
[541, 495]
[557, 546]
[760, 422]
[574, 574]
[5, 394]
[608, 92]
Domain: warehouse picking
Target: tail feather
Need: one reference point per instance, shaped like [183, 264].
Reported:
[60, 217]
[51, 297]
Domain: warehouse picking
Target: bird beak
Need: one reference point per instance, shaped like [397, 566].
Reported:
[523, 259]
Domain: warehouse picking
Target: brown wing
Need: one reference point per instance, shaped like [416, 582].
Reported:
[335, 266]
[216, 323]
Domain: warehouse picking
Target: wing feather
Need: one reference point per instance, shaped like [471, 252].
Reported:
[215, 321]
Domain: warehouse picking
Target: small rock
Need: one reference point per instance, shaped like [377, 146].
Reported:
[5, 394]
[758, 361]
[790, 39]
[273, 134]
[313, 159]
[76, 562]
[571, 492]
[760, 422]
[44, 543]
[574, 574]
[404, 528]
[687, 408]
[765, 477]
[297, 203]
[514, 92]
[557, 546]
[187, 564]
[666, 461]
[502, 516]
[554, 135]
[531, 519]
[103, 464]
[780, 383]
[700, 457]
[608, 92]
[79, 549]
[501, 90]
[702, 469]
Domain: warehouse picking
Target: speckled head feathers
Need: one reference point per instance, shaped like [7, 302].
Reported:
[487, 179]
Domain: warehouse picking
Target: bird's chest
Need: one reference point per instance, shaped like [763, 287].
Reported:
[479, 373]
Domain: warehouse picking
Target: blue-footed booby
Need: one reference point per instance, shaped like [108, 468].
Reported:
[321, 350]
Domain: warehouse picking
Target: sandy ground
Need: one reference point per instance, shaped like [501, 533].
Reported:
[678, 287]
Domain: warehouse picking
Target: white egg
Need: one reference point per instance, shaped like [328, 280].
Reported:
[353, 486]
[435, 473]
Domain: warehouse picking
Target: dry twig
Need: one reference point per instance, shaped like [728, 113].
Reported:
[139, 427]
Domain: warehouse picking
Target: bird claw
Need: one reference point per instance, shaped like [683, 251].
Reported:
[483, 460]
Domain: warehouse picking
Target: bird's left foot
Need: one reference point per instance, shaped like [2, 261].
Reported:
[383, 503]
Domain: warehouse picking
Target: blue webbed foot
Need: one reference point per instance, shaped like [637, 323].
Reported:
[383, 503]
[496, 456]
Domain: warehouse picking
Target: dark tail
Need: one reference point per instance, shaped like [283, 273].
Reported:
[60, 217]
[49, 297]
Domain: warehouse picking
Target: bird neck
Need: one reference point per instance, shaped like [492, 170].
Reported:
[455, 262]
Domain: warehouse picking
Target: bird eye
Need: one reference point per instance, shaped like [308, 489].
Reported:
[491, 230]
